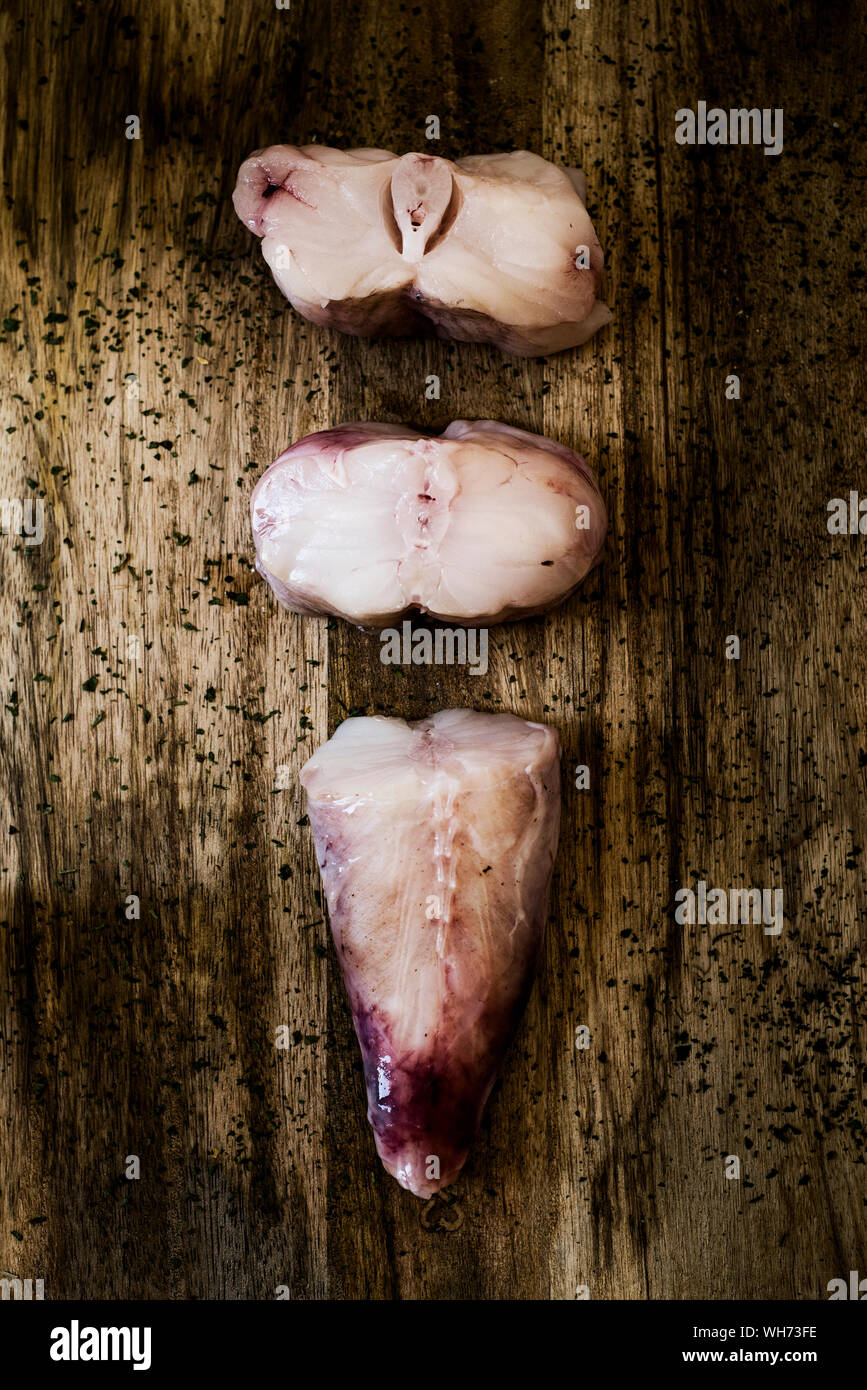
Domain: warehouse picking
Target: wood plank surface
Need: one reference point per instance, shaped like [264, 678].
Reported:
[158, 706]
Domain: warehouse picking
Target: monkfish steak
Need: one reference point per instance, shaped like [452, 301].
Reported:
[481, 524]
[436, 842]
[496, 248]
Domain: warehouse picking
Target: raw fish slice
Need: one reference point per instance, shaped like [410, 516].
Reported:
[436, 843]
[482, 524]
[519, 223]
[485, 249]
[321, 216]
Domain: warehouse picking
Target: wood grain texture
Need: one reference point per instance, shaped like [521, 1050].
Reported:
[157, 706]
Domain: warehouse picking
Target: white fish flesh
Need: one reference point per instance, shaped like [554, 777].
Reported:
[435, 842]
[494, 248]
[482, 524]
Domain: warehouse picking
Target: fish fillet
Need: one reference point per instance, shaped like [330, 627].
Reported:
[494, 248]
[435, 842]
[481, 524]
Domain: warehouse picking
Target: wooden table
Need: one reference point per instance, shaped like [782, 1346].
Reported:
[158, 705]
